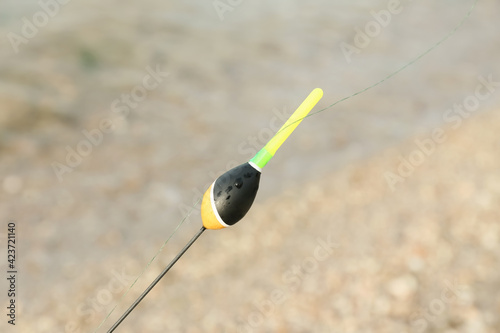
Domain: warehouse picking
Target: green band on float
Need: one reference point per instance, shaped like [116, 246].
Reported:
[262, 157]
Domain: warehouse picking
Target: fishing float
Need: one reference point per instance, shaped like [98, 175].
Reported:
[232, 194]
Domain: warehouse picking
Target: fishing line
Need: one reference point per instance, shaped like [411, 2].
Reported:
[423, 54]
[158, 278]
[191, 210]
[216, 209]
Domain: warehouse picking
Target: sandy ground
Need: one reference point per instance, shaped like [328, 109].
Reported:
[330, 246]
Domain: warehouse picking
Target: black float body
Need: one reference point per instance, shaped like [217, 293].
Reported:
[235, 191]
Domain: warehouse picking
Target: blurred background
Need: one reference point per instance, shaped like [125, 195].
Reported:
[116, 116]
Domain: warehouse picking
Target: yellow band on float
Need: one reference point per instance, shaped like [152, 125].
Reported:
[266, 153]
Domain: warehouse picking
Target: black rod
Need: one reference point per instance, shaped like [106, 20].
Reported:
[162, 274]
